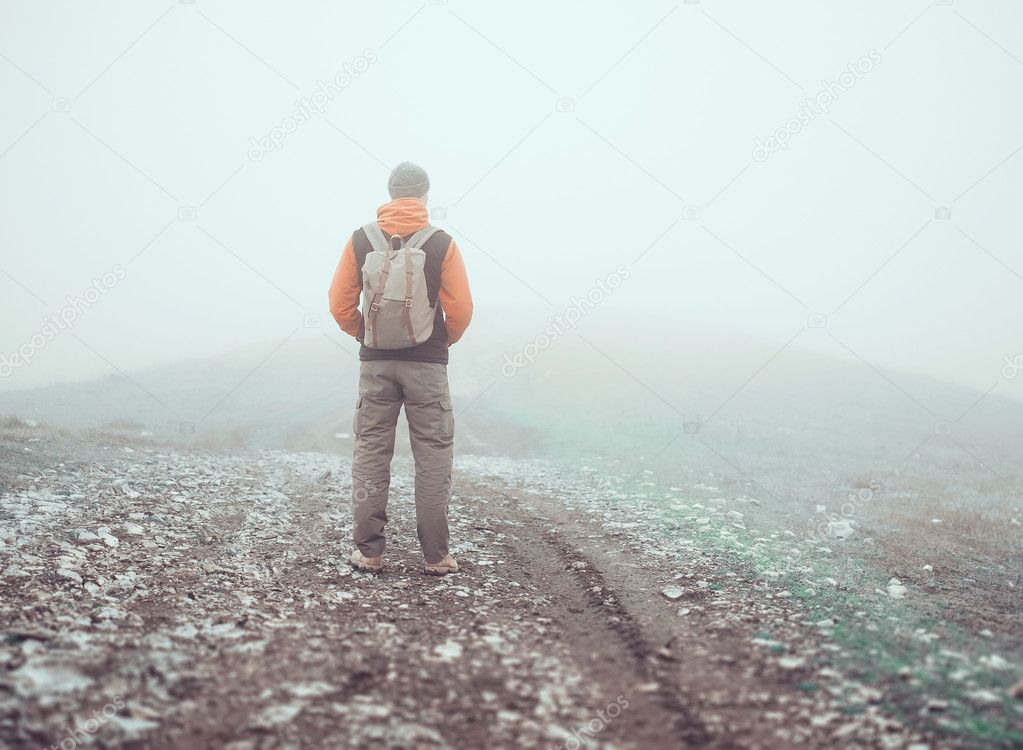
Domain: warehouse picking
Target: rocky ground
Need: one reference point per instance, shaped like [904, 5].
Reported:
[153, 597]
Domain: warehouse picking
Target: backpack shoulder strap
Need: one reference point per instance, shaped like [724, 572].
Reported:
[376, 237]
[419, 238]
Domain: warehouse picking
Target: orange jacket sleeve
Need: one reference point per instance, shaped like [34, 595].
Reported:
[455, 298]
[345, 290]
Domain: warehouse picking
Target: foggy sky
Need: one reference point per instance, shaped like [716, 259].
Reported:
[562, 142]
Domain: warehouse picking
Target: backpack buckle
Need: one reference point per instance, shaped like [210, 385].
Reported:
[408, 302]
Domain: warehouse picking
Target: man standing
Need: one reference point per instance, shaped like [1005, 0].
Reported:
[415, 304]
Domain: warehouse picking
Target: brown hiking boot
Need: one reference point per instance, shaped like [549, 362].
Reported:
[445, 566]
[367, 564]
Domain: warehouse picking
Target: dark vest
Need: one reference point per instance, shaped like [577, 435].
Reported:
[435, 348]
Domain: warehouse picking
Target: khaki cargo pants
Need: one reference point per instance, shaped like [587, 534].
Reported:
[384, 385]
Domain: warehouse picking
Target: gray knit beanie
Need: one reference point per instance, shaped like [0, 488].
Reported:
[408, 180]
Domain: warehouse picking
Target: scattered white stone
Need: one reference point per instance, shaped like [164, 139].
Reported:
[870, 694]
[34, 679]
[672, 592]
[822, 720]
[448, 651]
[994, 661]
[895, 589]
[310, 689]
[188, 630]
[983, 697]
[245, 599]
[841, 529]
[280, 714]
[69, 574]
[493, 640]
[791, 662]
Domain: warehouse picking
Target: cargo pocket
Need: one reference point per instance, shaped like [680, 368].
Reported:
[355, 417]
[447, 418]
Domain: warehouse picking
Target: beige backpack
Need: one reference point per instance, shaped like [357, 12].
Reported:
[395, 303]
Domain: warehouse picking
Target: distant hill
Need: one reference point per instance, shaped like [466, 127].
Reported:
[617, 391]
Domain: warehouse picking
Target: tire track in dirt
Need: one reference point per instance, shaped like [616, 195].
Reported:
[710, 686]
[602, 599]
[595, 623]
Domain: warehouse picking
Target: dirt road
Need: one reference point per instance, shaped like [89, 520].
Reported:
[155, 598]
